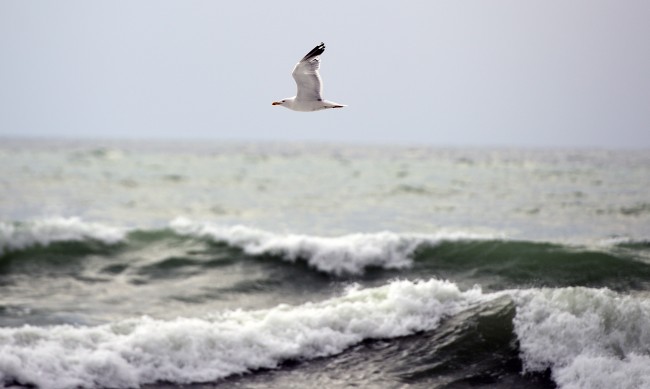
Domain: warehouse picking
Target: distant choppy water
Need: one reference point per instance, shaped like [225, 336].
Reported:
[125, 264]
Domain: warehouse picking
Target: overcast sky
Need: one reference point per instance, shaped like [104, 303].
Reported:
[448, 73]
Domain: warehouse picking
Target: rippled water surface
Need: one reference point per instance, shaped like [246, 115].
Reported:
[169, 265]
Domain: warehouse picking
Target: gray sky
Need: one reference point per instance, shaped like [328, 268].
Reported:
[460, 73]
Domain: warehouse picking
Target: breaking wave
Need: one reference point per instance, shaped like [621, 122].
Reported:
[588, 338]
[348, 254]
[584, 337]
[138, 351]
[25, 235]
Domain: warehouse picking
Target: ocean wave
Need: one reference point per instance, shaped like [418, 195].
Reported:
[348, 254]
[138, 351]
[504, 264]
[24, 235]
[625, 242]
[585, 337]
[588, 338]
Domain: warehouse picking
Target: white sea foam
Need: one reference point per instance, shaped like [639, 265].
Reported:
[19, 236]
[348, 254]
[589, 338]
[138, 351]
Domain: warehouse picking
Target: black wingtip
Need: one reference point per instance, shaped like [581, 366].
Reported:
[318, 50]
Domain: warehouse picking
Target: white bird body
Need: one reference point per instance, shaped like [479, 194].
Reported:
[307, 106]
[309, 95]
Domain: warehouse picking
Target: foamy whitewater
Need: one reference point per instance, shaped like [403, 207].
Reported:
[185, 350]
[20, 236]
[127, 265]
[349, 254]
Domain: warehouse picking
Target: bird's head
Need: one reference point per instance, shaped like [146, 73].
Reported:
[288, 102]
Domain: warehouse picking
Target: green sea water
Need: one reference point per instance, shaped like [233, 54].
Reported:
[218, 265]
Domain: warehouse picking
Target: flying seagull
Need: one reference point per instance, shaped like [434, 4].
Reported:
[310, 85]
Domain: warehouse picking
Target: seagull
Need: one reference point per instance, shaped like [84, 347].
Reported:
[310, 85]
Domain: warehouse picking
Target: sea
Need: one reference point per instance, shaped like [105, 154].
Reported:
[178, 264]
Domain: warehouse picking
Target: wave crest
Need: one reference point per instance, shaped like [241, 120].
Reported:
[348, 254]
[24, 235]
[583, 335]
[138, 351]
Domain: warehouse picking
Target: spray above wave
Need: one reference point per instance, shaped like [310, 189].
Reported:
[348, 254]
[20, 236]
[138, 351]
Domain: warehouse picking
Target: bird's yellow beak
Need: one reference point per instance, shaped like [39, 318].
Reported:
[276, 103]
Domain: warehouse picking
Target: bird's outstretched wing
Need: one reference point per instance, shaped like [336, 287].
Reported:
[307, 76]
